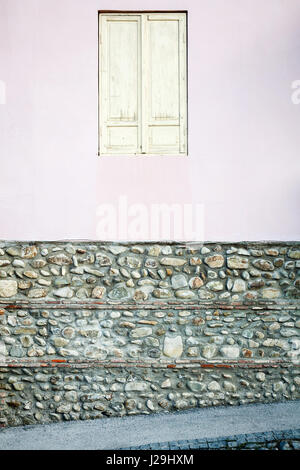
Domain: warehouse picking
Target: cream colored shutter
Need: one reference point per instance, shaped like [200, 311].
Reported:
[120, 84]
[166, 102]
[142, 84]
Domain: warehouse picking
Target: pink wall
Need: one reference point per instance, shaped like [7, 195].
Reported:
[244, 137]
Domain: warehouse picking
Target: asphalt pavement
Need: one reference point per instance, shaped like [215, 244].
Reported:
[140, 430]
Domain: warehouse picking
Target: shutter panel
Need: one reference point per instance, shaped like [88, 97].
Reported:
[120, 84]
[165, 125]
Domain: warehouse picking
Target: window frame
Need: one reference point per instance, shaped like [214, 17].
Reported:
[143, 154]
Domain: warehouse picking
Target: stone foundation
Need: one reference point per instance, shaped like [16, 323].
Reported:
[91, 329]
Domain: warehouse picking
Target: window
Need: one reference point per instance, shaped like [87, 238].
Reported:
[142, 83]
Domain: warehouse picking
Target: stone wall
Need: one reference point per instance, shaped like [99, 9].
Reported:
[91, 329]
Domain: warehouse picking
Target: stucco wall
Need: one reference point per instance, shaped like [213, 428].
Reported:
[243, 162]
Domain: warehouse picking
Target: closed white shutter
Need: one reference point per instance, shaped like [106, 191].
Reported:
[142, 84]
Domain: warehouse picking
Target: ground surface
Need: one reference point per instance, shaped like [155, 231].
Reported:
[214, 427]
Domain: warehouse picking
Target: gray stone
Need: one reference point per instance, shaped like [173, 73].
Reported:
[263, 265]
[288, 332]
[209, 351]
[94, 272]
[270, 293]
[141, 332]
[214, 386]
[166, 383]
[29, 252]
[173, 261]
[173, 346]
[294, 253]
[231, 352]
[239, 285]
[178, 280]
[8, 288]
[161, 293]
[4, 262]
[119, 293]
[71, 396]
[117, 249]
[96, 352]
[59, 342]
[18, 263]
[98, 292]
[195, 386]
[60, 259]
[151, 263]
[214, 261]
[130, 261]
[37, 293]
[185, 294]
[261, 377]
[215, 285]
[65, 408]
[64, 292]
[16, 351]
[136, 387]
[103, 259]
[237, 262]
[229, 386]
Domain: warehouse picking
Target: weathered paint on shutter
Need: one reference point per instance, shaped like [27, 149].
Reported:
[142, 84]
[120, 84]
[165, 126]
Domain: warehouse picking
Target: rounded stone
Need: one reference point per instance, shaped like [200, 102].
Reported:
[237, 262]
[239, 286]
[195, 386]
[60, 259]
[37, 293]
[173, 261]
[260, 376]
[64, 292]
[294, 253]
[209, 351]
[215, 286]
[181, 404]
[270, 293]
[231, 352]
[173, 346]
[214, 386]
[136, 387]
[161, 293]
[155, 353]
[60, 342]
[196, 282]
[166, 383]
[71, 396]
[68, 332]
[178, 280]
[184, 294]
[29, 252]
[214, 261]
[98, 292]
[263, 265]
[16, 351]
[130, 404]
[26, 341]
[8, 288]
[119, 293]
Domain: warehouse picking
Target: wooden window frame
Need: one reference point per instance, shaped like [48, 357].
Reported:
[141, 12]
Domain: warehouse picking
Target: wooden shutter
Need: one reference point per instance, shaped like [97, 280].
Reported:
[165, 125]
[142, 83]
[120, 84]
